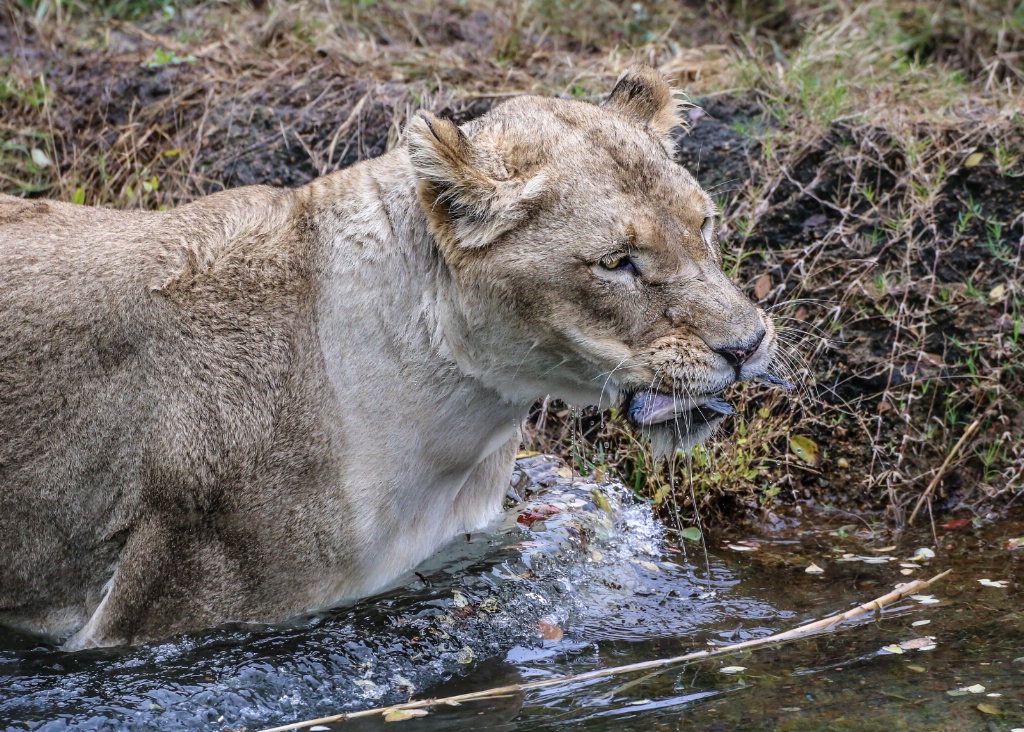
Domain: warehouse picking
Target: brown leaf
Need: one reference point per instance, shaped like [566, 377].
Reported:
[763, 286]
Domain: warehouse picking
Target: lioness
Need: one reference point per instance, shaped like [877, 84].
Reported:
[269, 401]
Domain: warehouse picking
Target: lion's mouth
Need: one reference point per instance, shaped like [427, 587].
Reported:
[648, 408]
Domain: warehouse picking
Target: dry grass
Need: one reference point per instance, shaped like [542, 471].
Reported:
[869, 158]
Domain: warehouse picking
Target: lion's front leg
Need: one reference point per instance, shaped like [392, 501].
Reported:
[168, 580]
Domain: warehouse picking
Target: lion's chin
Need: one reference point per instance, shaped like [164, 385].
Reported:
[676, 423]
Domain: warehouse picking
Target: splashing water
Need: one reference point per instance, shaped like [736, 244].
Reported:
[576, 557]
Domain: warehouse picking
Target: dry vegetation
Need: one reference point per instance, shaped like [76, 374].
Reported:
[869, 158]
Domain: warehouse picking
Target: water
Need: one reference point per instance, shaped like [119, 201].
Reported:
[576, 590]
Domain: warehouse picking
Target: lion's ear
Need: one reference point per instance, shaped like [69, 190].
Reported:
[468, 207]
[643, 95]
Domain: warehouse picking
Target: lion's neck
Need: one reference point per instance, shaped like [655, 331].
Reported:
[429, 445]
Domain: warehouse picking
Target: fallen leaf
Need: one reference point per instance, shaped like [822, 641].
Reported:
[998, 293]
[400, 715]
[649, 566]
[988, 709]
[956, 524]
[994, 583]
[892, 648]
[906, 572]
[916, 643]
[602, 501]
[915, 668]
[814, 569]
[690, 533]
[963, 690]
[973, 159]
[740, 548]
[763, 286]
[1017, 543]
[925, 599]
[732, 669]
[804, 448]
[917, 623]
[922, 553]
[40, 158]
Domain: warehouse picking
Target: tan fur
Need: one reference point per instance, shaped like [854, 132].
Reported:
[268, 401]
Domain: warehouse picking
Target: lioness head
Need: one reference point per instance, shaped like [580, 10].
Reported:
[585, 260]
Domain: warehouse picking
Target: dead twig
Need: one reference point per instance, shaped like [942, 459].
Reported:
[825, 624]
[942, 468]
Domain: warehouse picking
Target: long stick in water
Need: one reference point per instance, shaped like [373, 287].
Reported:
[825, 624]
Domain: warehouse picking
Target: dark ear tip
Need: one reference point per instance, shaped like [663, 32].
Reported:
[430, 125]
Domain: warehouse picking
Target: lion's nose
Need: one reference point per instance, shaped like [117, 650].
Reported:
[739, 355]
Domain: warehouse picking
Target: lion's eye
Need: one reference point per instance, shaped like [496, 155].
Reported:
[619, 263]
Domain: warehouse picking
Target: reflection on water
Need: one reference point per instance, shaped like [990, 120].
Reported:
[563, 586]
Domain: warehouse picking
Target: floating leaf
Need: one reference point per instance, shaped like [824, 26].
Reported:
[993, 583]
[922, 553]
[973, 159]
[893, 648]
[964, 690]
[988, 709]
[906, 572]
[649, 566]
[690, 533]
[741, 548]
[918, 623]
[732, 669]
[804, 448]
[400, 715]
[814, 569]
[925, 599]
